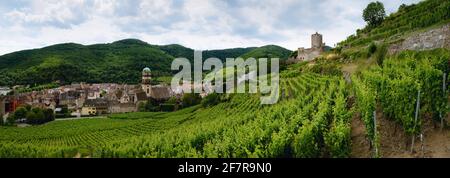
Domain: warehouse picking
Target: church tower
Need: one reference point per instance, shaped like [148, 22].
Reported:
[146, 79]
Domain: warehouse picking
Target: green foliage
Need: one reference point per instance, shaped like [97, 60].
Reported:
[338, 140]
[37, 88]
[149, 106]
[11, 119]
[172, 100]
[190, 99]
[408, 19]
[168, 107]
[374, 13]
[20, 113]
[381, 54]
[396, 86]
[118, 62]
[176, 50]
[211, 100]
[325, 67]
[238, 127]
[372, 48]
[269, 51]
[49, 115]
[36, 116]
[305, 145]
[64, 113]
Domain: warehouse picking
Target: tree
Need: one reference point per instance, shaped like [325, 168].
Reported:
[31, 117]
[49, 115]
[142, 106]
[372, 48]
[191, 99]
[36, 116]
[381, 54]
[20, 113]
[402, 7]
[374, 14]
[11, 119]
[211, 100]
[28, 107]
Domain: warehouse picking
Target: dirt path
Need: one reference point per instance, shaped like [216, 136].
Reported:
[360, 145]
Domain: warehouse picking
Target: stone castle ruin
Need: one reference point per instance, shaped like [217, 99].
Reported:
[317, 48]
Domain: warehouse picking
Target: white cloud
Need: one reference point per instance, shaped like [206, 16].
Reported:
[198, 24]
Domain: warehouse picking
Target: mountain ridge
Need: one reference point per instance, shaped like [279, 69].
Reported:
[116, 62]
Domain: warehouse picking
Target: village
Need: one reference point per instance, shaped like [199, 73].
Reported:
[82, 99]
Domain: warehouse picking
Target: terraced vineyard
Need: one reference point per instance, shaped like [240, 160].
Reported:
[408, 88]
[311, 120]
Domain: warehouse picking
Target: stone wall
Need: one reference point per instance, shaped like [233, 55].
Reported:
[431, 39]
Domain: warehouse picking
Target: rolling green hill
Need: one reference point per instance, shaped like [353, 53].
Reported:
[269, 51]
[117, 62]
[176, 50]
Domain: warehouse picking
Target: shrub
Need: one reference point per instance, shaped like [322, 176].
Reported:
[167, 107]
[191, 99]
[20, 113]
[381, 54]
[372, 48]
[211, 100]
[49, 115]
[11, 119]
[338, 140]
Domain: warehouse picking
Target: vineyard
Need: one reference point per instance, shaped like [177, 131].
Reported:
[409, 88]
[311, 120]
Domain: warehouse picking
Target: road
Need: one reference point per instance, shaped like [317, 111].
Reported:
[77, 118]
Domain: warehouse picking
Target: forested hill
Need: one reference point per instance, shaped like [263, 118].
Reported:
[118, 62]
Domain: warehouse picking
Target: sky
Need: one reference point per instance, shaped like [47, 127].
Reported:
[198, 24]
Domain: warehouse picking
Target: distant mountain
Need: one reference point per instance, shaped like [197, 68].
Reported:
[118, 62]
[269, 51]
[181, 51]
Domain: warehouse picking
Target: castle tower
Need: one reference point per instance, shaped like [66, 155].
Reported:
[316, 41]
[146, 81]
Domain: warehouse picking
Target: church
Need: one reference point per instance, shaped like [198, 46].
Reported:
[156, 92]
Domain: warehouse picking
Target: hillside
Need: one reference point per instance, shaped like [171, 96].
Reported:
[269, 51]
[117, 62]
[399, 25]
[182, 51]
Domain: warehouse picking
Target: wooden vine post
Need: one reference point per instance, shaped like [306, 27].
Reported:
[415, 119]
[375, 132]
[444, 91]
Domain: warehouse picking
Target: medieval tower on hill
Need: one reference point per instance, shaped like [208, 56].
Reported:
[317, 47]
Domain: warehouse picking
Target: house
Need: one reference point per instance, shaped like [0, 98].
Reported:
[88, 111]
[122, 108]
[101, 106]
